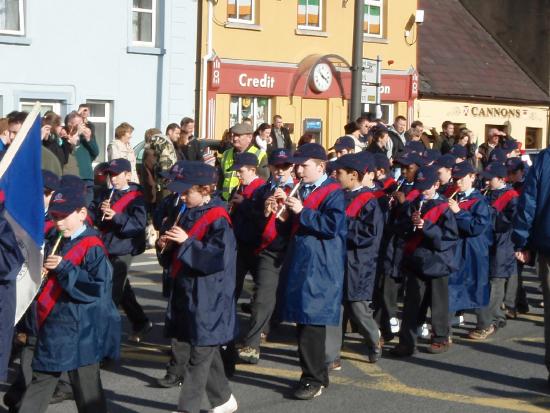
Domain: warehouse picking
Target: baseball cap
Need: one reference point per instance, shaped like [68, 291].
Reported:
[425, 178]
[461, 169]
[280, 157]
[344, 142]
[193, 173]
[50, 180]
[244, 159]
[446, 161]
[65, 200]
[119, 165]
[309, 151]
[494, 170]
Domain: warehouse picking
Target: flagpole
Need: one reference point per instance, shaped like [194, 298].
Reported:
[19, 138]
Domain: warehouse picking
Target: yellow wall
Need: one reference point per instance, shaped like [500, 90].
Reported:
[277, 41]
[274, 39]
[434, 112]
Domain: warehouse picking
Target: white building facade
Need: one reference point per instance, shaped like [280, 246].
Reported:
[130, 60]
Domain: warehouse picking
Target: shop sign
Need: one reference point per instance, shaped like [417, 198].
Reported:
[492, 112]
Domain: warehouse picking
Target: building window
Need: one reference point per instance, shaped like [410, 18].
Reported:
[257, 109]
[372, 21]
[387, 111]
[45, 105]
[310, 14]
[533, 138]
[144, 22]
[12, 17]
[100, 116]
[240, 11]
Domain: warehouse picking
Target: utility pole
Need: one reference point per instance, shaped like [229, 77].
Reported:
[357, 60]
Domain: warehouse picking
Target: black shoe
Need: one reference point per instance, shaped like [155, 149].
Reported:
[246, 308]
[307, 391]
[500, 324]
[374, 354]
[60, 395]
[170, 380]
[402, 351]
[140, 332]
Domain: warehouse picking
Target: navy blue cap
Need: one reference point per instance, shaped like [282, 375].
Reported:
[280, 157]
[425, 178]
[193, 173]
[416, 147]
[509, 145]
[368, 158]
[431, 155]
[408, 158]
[514, 164]
[101, 168]
[119, 165]
[245, 159]
[51, 180]
[459, 151]
[497, 155]
[74, 182]
[173, 171]
[344, 142]
[381, 161]
[461, 169]
[356, 162]
[309, 151]
[446, 161]
[494, 170]
[66, 199]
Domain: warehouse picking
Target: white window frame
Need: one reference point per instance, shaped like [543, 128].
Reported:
[21, 31]
[244, 21]
[103, 119]
[153, 11]
[376, 3]
[254, 103]
[55, 104]
[307, 27]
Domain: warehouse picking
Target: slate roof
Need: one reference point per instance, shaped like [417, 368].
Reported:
[458, 58]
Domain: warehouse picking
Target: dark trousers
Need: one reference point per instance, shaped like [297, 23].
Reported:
[123, 294]
[179, 357]
[390, 291]
[544, 274]
[418, 291]
[516, 296]
[24, 376]
[86, 384]
[265, 295]
[246, 262]
[362, 314]
[204, 372]
[492, 313]
[311, 349]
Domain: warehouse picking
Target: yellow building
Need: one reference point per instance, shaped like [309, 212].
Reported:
[292, 58]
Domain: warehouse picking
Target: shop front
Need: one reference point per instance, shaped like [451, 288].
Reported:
[528, 124]
[311, 96]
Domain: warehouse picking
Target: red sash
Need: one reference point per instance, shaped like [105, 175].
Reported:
[500, 203]
[411, 196]
[249, 189]
[199, 230]
[52, 290]
[355, 206]
[270, 230]
[385, 186]
[432, 216]
[2, 197]
[314, 200]
[467, 203]
[450, 190]
[122, 203]
[48, 225]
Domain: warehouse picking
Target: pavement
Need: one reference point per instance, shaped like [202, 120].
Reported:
[505, 373]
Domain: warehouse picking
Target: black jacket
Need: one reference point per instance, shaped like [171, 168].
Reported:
[286, 137]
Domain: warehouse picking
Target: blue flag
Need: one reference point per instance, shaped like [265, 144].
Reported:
[23, 210]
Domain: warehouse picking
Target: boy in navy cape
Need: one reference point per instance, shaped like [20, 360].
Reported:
[201, 314]
[502, 260]
[365, 226]
[121, 216]
[393, 243]
[271, 251]
[469, 285]
[77, 322]
[242, 204]
[431, 237]
[313, 271]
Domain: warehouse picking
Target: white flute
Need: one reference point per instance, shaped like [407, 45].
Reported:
[292, 193]
[110, 197]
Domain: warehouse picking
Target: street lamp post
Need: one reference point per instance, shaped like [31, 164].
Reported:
[357, 60]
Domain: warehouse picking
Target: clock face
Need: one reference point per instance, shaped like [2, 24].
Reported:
[322, 77]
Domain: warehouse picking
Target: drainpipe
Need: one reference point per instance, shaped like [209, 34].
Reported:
[205, 59]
